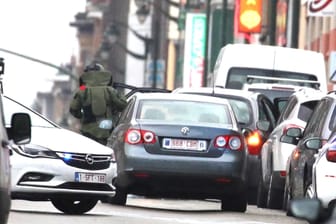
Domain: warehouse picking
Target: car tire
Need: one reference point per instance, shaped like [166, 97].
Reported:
[5, 203]
[274, 195]
[237, 203]
[252, 195]
[120, 198]
[74, 206]
[262, 194]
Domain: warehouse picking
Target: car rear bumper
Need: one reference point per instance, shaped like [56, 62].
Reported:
[182, 176]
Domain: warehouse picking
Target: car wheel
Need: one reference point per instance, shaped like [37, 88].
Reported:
[252, 195]
[5, 203]
[74, 206]
[262, 194]
[120, 198]
[237, 203]
[274, 196]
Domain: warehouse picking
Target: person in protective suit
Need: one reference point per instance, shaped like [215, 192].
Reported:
[96, 100]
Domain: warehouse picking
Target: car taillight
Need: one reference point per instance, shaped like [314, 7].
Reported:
[283, 173]
[228, 141]
[254, 143]
[138, 136]
[296, 154]
[331, 155]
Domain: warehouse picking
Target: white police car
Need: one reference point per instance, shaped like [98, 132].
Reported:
[59, 165]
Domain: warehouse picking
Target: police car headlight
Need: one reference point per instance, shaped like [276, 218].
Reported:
[35, 151]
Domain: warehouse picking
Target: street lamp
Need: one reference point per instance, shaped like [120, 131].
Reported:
[142, 13]
[59, 68]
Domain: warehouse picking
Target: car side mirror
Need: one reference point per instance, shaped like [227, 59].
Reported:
[313, 143]
[291, 136]
[20, 130]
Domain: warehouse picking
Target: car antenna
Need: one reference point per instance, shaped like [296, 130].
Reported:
[2, 70]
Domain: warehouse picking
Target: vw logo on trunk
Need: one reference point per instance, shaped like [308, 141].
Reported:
[185, 130]
[89, 159]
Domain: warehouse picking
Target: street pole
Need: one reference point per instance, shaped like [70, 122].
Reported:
[156, 32]
[206, 53]
[156, 51]
[225, 22]
[63, 70]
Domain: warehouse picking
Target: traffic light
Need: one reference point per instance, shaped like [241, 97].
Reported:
[249, 16]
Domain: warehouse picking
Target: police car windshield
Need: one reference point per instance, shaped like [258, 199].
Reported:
[11, 107]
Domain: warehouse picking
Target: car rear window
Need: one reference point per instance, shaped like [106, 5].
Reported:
[184, 111]
[240, 105]
[238, 76]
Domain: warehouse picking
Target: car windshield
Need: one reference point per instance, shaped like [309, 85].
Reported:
[241, 107]
[237, 77]
[11, 107]
[184, 111]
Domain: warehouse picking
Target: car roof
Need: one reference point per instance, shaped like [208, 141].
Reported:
[308, 94]
[133, 89]
[217, 90]
[170, 96]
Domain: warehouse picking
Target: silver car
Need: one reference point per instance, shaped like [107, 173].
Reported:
[180, 146]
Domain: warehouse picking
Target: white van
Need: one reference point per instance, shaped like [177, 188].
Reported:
[238, 64]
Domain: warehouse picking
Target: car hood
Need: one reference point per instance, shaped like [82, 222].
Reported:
[63, 140]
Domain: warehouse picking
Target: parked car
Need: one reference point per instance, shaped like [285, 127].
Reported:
[237, 61]
[274, 153]
[59, 165]
[300, 162]
[251, 109]
[278, 93]
[323, 182]
[180, 146]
